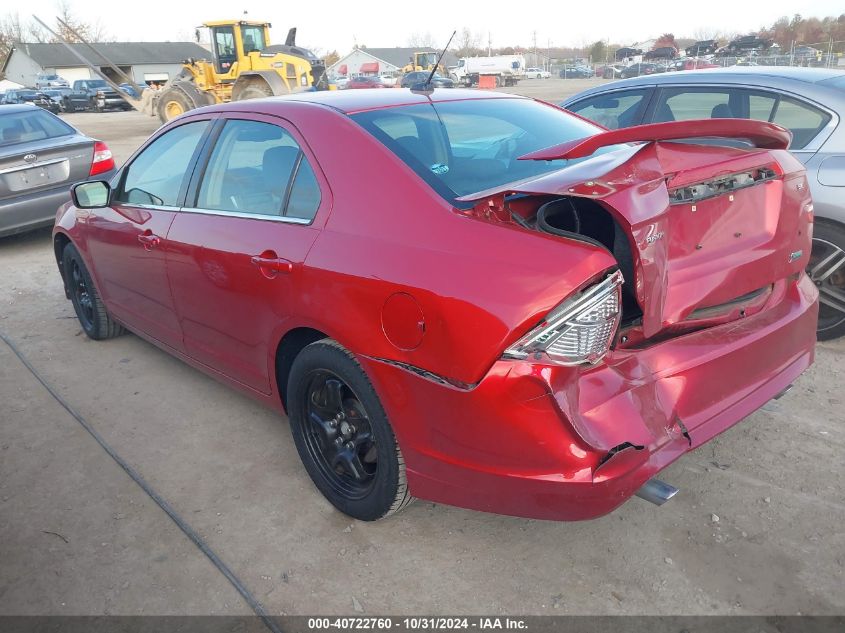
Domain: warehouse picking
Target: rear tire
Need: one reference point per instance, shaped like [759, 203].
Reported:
[89, 307]
[827, 270]
[343, 435]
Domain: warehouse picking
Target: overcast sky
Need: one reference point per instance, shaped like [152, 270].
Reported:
[330, 25]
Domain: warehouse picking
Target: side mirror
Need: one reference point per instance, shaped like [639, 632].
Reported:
[90, 195]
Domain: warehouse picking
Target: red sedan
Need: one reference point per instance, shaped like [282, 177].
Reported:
[473, 298]
[364, 83]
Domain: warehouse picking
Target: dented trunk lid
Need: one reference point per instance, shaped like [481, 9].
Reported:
[707, 224]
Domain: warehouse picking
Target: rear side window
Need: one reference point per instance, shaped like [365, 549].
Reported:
[612, 110]
[35, 125]
[257, 168]
[155, 177]
[803, 120]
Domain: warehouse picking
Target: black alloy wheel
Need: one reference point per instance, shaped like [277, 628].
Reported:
[342, 433]
[339, 437]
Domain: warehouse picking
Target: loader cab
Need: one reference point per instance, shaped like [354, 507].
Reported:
[232, 42]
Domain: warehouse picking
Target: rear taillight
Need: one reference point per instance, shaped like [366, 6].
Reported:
[579, 330]
[103, 160]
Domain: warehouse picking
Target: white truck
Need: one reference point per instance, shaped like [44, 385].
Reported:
[507, 69]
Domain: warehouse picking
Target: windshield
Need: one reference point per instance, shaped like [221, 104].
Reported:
[462, 147]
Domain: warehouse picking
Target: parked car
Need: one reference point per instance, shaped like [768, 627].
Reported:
[640, 68]
[342, 82]
[31, 96]
[364, 82]
[128, 89]
[808, 101]
[409, 80]
[389, 80]
[576, 72]
[94, 94]
[50, 81]
[537, 73]
[502, 306]
[691, 64]
[57, 96]
[41, 156]
[663, 52]
[610, 71]
[702, 47]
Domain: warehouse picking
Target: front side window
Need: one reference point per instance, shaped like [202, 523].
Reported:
[802, 119]
[462, 147]
[612, 110]
[157, 174]
[257, 168]
[253, 37]
[682, 104]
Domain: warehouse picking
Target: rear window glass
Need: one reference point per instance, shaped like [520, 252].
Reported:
[31, 125]
[463, 147]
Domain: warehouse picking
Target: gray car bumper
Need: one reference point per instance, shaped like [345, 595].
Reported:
[34, 210]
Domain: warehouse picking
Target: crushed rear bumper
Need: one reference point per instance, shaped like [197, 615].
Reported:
[571, 443]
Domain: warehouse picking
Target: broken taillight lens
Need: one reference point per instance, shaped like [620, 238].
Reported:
[579, 330]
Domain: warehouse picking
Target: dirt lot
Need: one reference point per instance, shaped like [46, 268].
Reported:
[756, 529]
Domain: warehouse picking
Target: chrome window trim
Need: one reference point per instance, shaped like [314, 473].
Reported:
[150, 207]
[247, 216]
[43, 163]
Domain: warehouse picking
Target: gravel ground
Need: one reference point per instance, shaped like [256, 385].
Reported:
[756, 529]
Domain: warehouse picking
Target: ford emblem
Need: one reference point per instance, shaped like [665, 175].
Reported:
[30, 158]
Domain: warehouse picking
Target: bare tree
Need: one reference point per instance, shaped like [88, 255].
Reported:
[421, 40]
[90, 31]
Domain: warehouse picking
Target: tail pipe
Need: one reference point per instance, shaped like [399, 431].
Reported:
[656, 491]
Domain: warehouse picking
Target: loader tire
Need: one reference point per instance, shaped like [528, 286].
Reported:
[255, 90]
[172, 103]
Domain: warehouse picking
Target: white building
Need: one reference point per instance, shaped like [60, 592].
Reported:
[143, 61]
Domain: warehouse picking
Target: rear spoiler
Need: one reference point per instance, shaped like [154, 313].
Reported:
[759, 133]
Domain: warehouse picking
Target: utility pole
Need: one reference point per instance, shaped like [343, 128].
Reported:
[549, 55]
[536, 56]
[489, 44]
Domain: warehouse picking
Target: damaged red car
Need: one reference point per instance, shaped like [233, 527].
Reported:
[472, 298]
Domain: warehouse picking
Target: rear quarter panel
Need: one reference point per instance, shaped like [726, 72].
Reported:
[479, 284]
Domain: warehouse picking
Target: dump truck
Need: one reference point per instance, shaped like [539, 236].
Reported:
[243, 65]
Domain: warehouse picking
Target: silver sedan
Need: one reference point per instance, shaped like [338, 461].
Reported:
[810, 102]
[41, 156]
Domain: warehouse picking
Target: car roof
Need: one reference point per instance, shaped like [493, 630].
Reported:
[11, 108]
[783, 77]
[361, 100]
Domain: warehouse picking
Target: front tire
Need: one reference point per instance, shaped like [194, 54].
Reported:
[827, 270]
[343, 435]
[89, 307]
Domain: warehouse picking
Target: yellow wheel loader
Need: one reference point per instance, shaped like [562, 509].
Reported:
[424, 61]
[243, 65]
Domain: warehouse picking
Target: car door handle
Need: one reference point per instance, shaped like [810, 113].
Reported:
[149, 240]
[270, 264]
